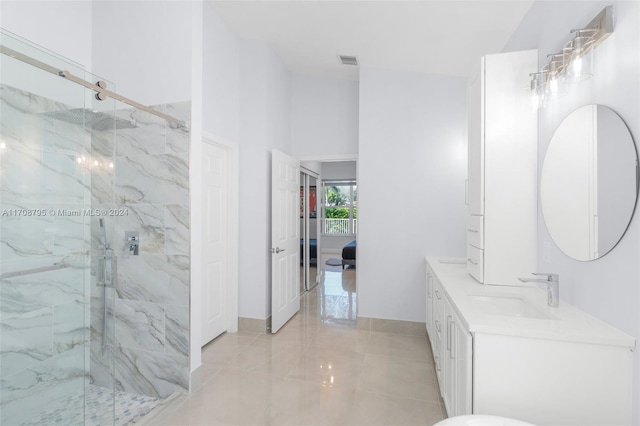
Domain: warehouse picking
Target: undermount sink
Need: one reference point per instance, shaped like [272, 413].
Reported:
[509, 306]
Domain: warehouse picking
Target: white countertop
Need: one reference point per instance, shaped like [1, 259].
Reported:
[568, 323]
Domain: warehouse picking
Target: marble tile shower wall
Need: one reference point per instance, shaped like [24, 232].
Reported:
[44, 332]
[149, 185]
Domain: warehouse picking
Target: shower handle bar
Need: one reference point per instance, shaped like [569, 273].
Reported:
[99, 90]
[34, 270]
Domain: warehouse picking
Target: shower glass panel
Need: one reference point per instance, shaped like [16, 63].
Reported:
[56, 159]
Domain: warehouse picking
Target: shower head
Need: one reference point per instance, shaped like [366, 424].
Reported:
[94, 120]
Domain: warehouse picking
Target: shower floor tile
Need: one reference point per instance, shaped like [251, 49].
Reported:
[100, 410]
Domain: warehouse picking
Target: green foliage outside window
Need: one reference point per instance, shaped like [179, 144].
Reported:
[340, 200]
[336, 196]
[337, 212]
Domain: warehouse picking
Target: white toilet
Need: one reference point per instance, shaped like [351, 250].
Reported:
[481, 420]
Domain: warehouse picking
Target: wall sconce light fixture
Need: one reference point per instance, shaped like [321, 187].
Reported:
[570, 65]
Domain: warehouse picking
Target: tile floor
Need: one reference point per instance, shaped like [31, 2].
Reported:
[319, 369]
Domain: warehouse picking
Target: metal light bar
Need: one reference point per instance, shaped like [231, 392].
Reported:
[584, 40]
[95, 87]
[602, 25]
[34, 270]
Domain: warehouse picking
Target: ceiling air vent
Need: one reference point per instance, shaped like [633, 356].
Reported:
[348, 60]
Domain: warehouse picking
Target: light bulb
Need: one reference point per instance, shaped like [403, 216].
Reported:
[553, 85]
[535, 100]
[3, 145]
[577, 67]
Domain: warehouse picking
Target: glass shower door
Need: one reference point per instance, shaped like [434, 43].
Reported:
[53, 309]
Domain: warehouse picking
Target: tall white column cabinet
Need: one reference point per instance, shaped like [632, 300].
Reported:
[501, 198]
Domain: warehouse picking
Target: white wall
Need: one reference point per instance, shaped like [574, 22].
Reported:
[411, 169]
[608, 288]
[246, 99]
[264, 124]
[314, 166]
[144, 47]
[338, 170]
[324, 116]
[221, 104]
[64, 27]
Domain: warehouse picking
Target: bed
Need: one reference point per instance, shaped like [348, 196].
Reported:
[349, 254]
[313, 251]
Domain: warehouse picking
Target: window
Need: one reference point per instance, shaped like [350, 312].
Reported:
[340, 208]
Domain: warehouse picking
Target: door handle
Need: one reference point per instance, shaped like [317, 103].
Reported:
[452, 351]
[277, 250]
[449, 333]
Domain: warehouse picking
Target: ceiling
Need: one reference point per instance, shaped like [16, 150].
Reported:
[430, 36]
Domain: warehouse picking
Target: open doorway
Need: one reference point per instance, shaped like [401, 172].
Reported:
[338, 217]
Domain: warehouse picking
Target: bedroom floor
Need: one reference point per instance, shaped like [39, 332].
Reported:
[319, 369]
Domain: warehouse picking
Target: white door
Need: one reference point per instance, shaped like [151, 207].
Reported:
[285, 238]
[216, 239]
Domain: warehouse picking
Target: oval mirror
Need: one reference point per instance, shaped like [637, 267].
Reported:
[589, 183]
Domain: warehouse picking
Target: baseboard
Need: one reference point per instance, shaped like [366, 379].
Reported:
[253, 325]
[409, 328]
[197, 377]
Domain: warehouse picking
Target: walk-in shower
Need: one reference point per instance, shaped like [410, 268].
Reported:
[72, 350]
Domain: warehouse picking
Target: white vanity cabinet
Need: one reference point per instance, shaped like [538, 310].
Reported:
[502, 161]
[451, 344]
[502, 351]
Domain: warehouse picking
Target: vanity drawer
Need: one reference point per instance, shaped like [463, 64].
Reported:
[475, 263]
[438, 315]
[475, 231]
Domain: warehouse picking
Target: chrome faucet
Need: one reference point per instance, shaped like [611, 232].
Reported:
[553, 286]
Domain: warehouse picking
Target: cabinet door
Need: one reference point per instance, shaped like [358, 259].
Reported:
[429, 305]
[439, 329]
[450, 369]
[475, 97]
[457, 371]
[462, 353]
